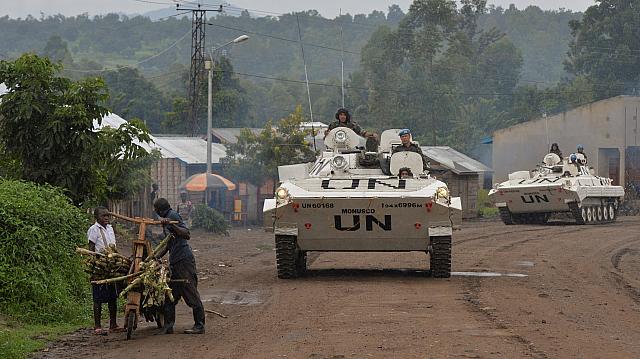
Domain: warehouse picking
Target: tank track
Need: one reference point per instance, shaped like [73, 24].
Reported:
[509, 218]
[505, 215]
[603, 214]
[440, 257]
[291, 262]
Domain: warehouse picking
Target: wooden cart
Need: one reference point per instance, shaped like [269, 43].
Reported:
[133, 308]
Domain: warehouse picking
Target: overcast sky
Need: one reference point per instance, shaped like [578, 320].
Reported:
[328, 8]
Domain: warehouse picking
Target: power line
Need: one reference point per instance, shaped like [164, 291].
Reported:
[280, 38]
[400, 92]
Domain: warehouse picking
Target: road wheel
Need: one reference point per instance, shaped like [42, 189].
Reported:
[440, 257]
[131, 323]
[598, 210]
[290, 261]
[583, 212]
[589, 215]
[605, 213]
[612, 212]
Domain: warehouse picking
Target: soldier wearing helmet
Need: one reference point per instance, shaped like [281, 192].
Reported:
[343, 119]
[580, 149]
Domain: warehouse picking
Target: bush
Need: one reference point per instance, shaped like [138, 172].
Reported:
[485, 206]
[210, 220]
[41, 278]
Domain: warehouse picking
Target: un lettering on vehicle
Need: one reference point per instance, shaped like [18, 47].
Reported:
[534, 198]
[354, 223]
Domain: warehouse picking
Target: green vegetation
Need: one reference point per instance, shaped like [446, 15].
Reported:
[41, 278]
[210, 220]
[17, 340]
[254, 158]
[47, 128]
[485, 207]
[155, 90]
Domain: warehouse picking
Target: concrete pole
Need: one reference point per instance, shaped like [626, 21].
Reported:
[209, 125]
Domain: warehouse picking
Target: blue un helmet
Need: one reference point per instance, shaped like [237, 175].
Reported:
[580, 148]
[573, 158]
[404, 131]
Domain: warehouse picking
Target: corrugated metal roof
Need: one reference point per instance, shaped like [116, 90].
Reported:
[229, 135]
[109, 120]
[191, 150]
[457, 162]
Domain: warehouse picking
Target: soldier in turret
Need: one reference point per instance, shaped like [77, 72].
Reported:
[555, 149]
[580, 149]
[408, 145]
[343, 119]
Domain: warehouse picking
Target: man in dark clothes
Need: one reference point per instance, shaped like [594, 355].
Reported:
[343, 119]
[407, 145]
[555, 149]
[183, 267]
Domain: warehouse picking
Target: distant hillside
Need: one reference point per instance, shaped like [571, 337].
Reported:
[542, 36]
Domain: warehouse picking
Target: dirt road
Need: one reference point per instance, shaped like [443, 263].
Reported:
[572, 292]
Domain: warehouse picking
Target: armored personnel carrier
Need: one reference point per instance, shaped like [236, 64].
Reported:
[556, 186]
[352, 200]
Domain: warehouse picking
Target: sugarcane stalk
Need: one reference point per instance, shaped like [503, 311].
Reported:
[87, 252]
[116, 279]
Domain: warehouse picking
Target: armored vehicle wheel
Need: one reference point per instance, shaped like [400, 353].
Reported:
[440, 257]
[585, 217]
[605, 213]
[290, 260]
[599, 217]
[612, 212]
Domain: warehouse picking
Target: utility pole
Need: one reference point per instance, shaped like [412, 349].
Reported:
[196, 73]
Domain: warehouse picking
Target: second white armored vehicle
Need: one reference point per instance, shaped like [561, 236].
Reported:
[351, 200]
[557, 186]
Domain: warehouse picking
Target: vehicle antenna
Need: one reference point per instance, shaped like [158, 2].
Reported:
[306, 80]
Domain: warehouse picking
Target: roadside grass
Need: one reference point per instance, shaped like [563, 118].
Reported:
[18, 340]
[486, 209]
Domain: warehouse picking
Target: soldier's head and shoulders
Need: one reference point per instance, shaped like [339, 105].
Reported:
[406, 143]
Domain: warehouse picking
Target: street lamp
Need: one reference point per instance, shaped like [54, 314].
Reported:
[208, 65]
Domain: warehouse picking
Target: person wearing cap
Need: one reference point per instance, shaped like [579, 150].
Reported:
[407, 145]
[343, 119]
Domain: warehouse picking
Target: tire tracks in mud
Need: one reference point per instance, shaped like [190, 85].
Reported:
[472, 288]
[617, 274]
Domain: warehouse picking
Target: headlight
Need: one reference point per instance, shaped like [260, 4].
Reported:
[282, 194]
[340, 136]
[442, 193]
[339, 162]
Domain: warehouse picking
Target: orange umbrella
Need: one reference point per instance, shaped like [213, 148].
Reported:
[201, 182]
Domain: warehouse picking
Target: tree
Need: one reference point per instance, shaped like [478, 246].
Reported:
[47, 124]
[255, 158]
[56, 49]
[133, 96]
[605, 47]
[230, 106]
